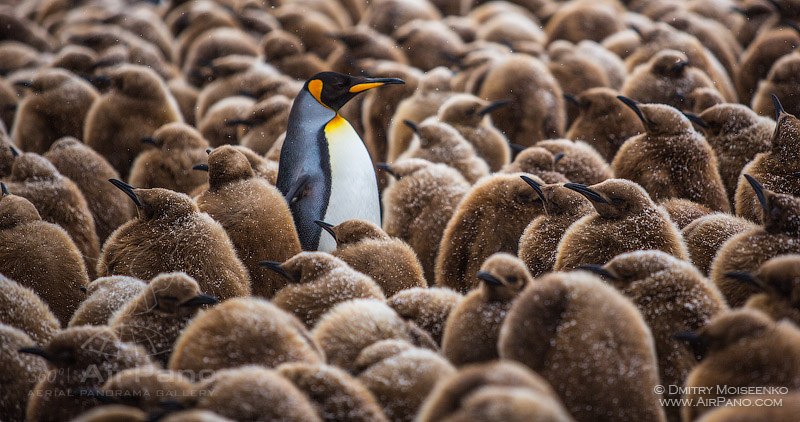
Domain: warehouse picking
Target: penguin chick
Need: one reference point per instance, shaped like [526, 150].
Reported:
[178, 147]
[213, 44]
[19, 374]
[80, 359]
[472, 234]
[260, 225]
[579, 162]
[171, 234]
[418, 205]
[148, 387]
[667, 78]
[312, 27]
[670, 160]
[351, 326]
[673, 297]
[90, 172]
[441, 143]
[104, 297]
[214, 125]
[255, 393]
[368, 249]
[603, 121]
[428, 308]
[55, 106]
[701, 99]
[538, 245]
[317, 281]
[741, 348]
[23, 309]
[463, 395]
[359, 43]
[776, 168]
[626, 220]
[749, 249]
[288, 54]
[706, 235]
[265, 123]
[683, 211]
[590, 343]
[737, 135]
[538, 162]
[468, 115]
[335, 394]
[598, 21]
[242, 331]
[781, 82]
[756, 61]
[778, 280]
[511, 29]
[386, 16]
[58, 201]
[401, 382]
[575, 73]
[431, 42]
[537, 110]
[186, 97]
[156, 316]
[473, 327]
[136, 106]
[40, 256]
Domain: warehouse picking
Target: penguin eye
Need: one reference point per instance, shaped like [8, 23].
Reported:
[524, 198]
[512, 279]
[617, 201]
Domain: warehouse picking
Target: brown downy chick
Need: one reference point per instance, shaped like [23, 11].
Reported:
[80, 360]
[777, 168]
[626, 220]
[418, 205]
[136, 106]
[427, 307]
[462, 397]
[429, 43]
[358, 43]
[575, 73]
[186, 97]
[579, 162]
[468, 115]
[19, 372]
[265, 168]
[312, 27]
[386, 16]
[673, 297]
[317, 282]
[242, 331]
[156, 316]
[439, 142]
[511, 29]
[603, 121]
[701, 99]
[538, 162]
[366, 248]
[213, 44]
[741, 348]
[104, 297]
[178, 147]
[254, 393]
[55, 106]
[778, 279]
[761, 54]
[736, 134]
[171, 234]
[260, 225]
[475, 231]
[215, 124]
[748, 250]
[671, 159]
[706, 235]
[148, 388]
[335, 394]
[40, 256]
[265, 123]
[354, 325]
[58, 200]
[782, 82]
[288, 54]
[683, 211]
[584, 20]
[23, 309]
[538, 245]
[473, 327]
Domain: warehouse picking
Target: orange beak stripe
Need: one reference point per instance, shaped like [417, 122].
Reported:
[363, 87]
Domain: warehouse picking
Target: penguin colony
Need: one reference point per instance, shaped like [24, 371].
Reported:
[399, 210]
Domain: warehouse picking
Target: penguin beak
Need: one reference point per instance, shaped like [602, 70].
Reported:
[237, 122]
[759, 189]
[679, 66]
[14, 151]
[516, 148]
[328, 228]
[4, 189]
[536, 187]
[697, 342]
[200, 300]
[128, 189]
[746, 278]
[83, 289]
[388, 169]
[365, 84]
[488, 278]
[494, 105]
[696, 120]
[23, 84]
[778, 107]
[587, 192]
[411, 125]
[278, 268]
[149, 140]
[201, 167]
[558, 157]
[598, 270]
[572, 99]
[36, 351]
[633, 106]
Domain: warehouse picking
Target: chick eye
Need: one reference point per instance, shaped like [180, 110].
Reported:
[617, 201]
[524, 198]
[512, 279]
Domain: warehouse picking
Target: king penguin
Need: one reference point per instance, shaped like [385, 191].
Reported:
[325, 171]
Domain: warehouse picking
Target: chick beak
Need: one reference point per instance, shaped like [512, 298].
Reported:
[598, 270]
[587, 192]
[36, 351]
[200, 167]
[200, 300]
[536, 187]
[494, 105]
[633, 106]
[759, 189]
[149, 140]
[128, 189]
[411, 125]
[365, 84]
[388, 169]
[4, 189]
[488, 278]
[278, 268]
[746, 278]
[327, 227]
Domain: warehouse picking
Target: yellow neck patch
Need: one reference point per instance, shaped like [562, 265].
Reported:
[337, 123]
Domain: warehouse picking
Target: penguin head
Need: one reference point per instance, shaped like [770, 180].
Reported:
[558, 200]
[176, 135]
[80, 347]
[780, 276]
[467, 110]
[669, 63]
[15, 210]
[627, 268]
[157, 203]
[660, 119]
[535, 160]
[503, 276]
[30, 166]
[334, 90]
[352, 231]
[615, 198]
[173, 293]
[305, 266]
[45, 80]
[724, 119]
[729, 329]
[780, 211]
[227, 164]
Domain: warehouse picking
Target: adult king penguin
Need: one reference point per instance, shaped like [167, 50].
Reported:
[325, 171]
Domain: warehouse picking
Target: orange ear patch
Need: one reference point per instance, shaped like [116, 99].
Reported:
[315, 88]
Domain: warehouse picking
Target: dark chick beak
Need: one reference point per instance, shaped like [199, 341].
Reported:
[327, 227]
[236, 122]
[411, 125]
[23, 83]
[14, 151]
[697, 343]
[209, 150]
[83, 289]
[387, 168]
[558, 157]
[759, 189]
[746, 278]
[488, 278]
[633, 106]
[4, 189]
[369, 83]
[571, 99]
[201, 167]
[149, 140]
[494, 105]
[535, 185]
[128, 189]
[599, 270]
[587, 192]
[200, 300]
[277, 267]
[516, 148]
[696, 120]
[36, 351]
[679, 66]
[778, 106]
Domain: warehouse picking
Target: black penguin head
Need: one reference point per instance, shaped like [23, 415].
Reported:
[334, 90]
